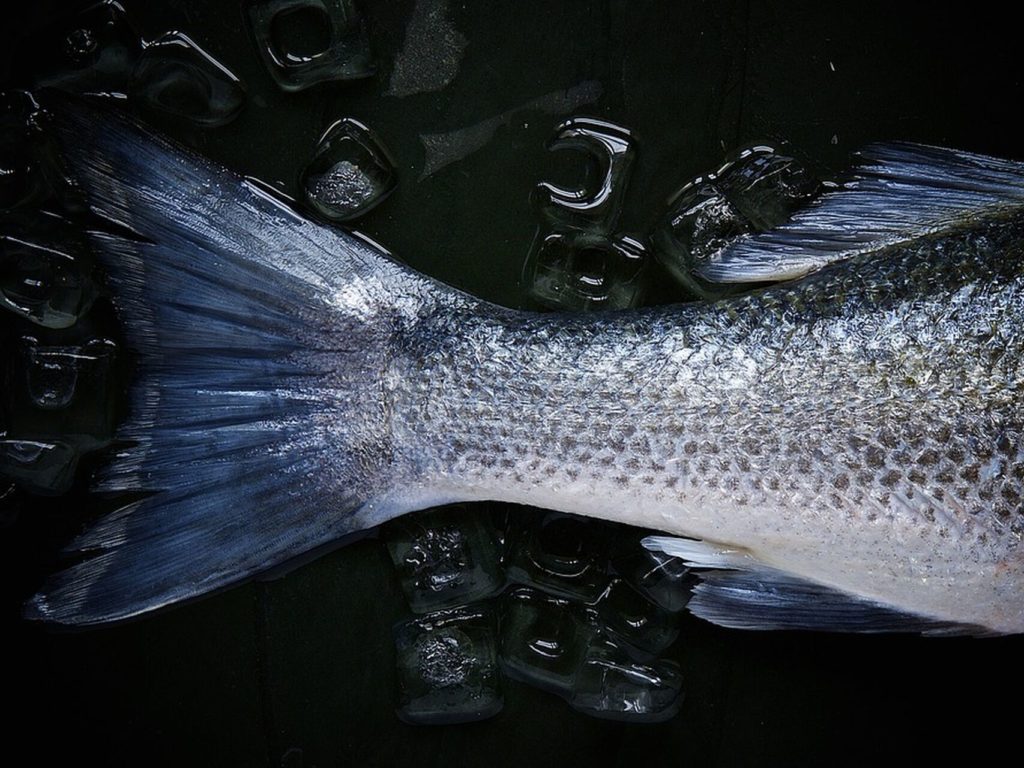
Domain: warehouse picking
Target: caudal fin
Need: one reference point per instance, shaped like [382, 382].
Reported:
[258, 418]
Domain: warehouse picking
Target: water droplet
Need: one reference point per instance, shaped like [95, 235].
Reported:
[174, 76]
[305, 42]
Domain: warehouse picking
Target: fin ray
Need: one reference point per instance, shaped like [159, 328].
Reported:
[898, 192]
[234, 437]
[738, 591]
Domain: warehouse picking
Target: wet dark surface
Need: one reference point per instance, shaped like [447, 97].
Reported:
[301, 671]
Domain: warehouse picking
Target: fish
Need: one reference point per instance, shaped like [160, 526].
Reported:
[839, 447]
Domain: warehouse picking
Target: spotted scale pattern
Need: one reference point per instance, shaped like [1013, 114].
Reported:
[861, 428]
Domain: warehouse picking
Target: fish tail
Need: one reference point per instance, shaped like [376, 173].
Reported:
[258, 417]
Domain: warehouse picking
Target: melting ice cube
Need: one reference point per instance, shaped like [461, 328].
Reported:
[305, 42]
[349, 174]
[448, 667]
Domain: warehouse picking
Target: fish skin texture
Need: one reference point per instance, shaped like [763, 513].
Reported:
[859, 429]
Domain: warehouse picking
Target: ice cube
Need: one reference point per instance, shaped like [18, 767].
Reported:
[662, 579]
[634, 622]
[38, 466]
[305, 42]
[95, 53]
[175, 77]
[596, 206]
[350, 172]
[21, 183]
[60, 396]
[52, 372]
[611, 685]
[445, 557]
[561, 554]
[45, 267]
[701, 222]
[766, 186]
[544, 639]
[448, 667]
[756, 190]
[581, 271]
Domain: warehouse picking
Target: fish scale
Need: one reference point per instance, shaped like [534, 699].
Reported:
[869, 414]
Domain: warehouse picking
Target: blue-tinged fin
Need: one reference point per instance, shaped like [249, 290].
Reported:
[897, 193]
[739, 592]
[245, 445]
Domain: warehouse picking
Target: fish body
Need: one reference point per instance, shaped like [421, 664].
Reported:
[861, 428]
[848, 443]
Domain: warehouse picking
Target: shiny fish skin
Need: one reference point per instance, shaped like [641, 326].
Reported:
[861, 428]
[856, 432]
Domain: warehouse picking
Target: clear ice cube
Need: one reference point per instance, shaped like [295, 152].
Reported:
[448, 667]
[60, 395]
[577, 262]
[349, 174]
[595, 206]
[21, 182]
[767, 187]
[757, 190]
[175, 77]
[38, 466]
[634, 622]
[445, 557]
[52, 372]
[561, 554]
[700, 223]
[544, 639]
[45, 267]
[664, 580]
[581, 271]
[95, 53]
[305, 42]
[611, 685]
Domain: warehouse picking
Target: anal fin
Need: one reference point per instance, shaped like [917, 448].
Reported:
[738, 591]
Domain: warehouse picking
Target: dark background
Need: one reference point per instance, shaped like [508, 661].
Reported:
[299, 672]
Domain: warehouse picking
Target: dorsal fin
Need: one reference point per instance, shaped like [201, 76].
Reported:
[898, 192]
